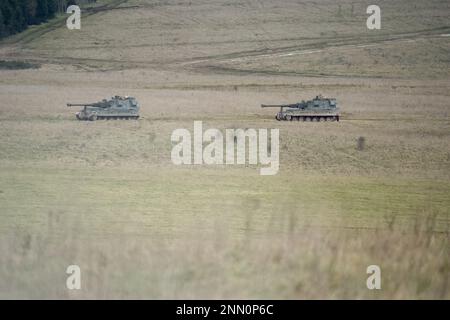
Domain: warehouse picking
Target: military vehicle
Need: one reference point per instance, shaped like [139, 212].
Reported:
[317, 109]
[116, 108]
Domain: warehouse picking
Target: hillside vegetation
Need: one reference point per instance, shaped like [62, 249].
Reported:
[106, 196]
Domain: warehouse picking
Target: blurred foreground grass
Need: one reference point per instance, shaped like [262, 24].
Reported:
[220, 234]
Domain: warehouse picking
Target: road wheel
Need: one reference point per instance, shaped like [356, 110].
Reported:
[288, 118]
[93, 117]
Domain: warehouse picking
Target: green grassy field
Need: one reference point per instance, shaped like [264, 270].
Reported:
[109, 197]
[222, 233]
[105, 195]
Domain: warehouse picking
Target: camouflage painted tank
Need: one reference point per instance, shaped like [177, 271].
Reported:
[317, 109]
[116, 108]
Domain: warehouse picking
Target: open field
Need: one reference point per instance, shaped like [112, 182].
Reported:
[106, 196]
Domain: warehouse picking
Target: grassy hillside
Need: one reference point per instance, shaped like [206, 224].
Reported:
[106, 196]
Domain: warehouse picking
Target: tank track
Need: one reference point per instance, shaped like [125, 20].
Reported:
[308, 118]
[97, 117]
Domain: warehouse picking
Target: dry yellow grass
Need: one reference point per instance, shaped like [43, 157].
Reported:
[106, 196]
[301, 263]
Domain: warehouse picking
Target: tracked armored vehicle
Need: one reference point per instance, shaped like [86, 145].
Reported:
[317, 109]
[116, 108]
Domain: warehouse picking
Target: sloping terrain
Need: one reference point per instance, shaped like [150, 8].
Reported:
[106, 195]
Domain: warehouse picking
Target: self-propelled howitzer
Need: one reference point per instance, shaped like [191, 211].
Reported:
[116, 108]
[317, 109]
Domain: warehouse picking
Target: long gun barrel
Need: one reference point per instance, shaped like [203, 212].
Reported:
[271, 106]
[79, 104]
[295, 105]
